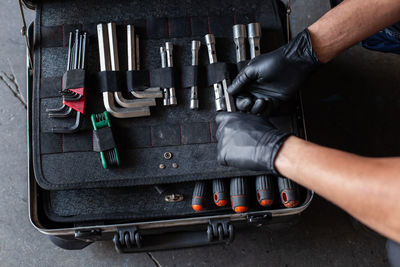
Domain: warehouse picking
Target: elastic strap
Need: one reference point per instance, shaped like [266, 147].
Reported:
[103, 139]
[109, 81]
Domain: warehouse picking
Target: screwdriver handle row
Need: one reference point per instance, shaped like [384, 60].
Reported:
[239, 193]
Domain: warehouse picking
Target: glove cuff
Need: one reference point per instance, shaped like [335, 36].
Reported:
[280, 139]
[300, 50]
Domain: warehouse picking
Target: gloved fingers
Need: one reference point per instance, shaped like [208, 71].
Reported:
[244, 78]
[221, 155]
[247, 103]
[244, 102]
[222, 119]
[259, 105]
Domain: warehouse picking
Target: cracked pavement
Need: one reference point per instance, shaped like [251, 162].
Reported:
[324, 236]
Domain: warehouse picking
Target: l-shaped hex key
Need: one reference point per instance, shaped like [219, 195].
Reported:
[134, 64]
[105, 41]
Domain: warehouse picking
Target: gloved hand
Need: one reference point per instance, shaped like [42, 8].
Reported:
[275, 77]
[247, 141]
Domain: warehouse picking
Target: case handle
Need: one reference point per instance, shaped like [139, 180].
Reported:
[129, 240]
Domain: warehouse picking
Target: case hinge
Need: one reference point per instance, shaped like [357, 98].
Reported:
[126, 238]
[88, 235]
[220, 229]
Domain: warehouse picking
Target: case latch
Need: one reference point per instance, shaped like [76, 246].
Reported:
[88, 235]
[220, 229]
[259, 218]
[127, 238]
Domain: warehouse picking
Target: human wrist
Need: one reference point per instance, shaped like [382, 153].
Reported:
[286, 159]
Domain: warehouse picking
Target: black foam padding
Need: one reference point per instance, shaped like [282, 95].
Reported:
[52, 36]
[50, 87]
[103, 139]
[168, 135]
[81, 141]
[109, 81]
[157, 28]
[189, 76]
[54, 143]
[139, 203]
[133, 137]
[162, 77]
[73, 79]
[199, 26]
[218, 25]
[179, 27]
[137, 79]
[189, 135]
[196, 133]
[217, 72]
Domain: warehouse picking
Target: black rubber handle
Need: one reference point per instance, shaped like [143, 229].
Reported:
[239, 194]
[220, 193]
[289, 192]
[166, 241]
[265, 190]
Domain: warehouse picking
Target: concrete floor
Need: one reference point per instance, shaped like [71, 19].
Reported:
[325, 235]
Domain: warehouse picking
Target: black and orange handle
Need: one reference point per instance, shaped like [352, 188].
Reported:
[289, 192]
[239, 194]
[220, 193]
[265, 190]
[199, 192]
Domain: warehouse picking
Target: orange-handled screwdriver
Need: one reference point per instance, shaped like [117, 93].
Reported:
[289, 192]
[220, 193]
[239, 194]
[265, 190]
[199, 192]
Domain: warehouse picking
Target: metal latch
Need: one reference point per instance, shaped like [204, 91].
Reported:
[258, 218]
[88, 235]
[126, 238]
[220, 229]
[25, 34]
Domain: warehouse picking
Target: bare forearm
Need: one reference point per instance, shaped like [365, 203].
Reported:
[349, 23]
[367, 188]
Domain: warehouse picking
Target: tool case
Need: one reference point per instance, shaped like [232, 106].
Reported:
[72, 198]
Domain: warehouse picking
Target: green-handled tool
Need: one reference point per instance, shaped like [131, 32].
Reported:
[104, 140]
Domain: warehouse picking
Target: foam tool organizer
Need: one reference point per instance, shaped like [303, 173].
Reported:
[147, 74]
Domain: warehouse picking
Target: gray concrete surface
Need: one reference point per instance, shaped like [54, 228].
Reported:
[325, 235]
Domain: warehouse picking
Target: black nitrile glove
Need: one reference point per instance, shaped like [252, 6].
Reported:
[275, 77]
[247, 141]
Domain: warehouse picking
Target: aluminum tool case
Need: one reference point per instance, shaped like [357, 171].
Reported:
[126, 208]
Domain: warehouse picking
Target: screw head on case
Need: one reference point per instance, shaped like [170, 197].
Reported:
[167, 155]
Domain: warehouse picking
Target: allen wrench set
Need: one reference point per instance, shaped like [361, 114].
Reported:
[73, 97]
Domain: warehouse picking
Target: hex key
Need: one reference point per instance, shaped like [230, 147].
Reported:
[134, 64]
[119, 98]
[60, 114]
[73, 129]
[105, 65]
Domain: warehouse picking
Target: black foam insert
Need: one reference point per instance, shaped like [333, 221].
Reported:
[68, 161]
[138, 203]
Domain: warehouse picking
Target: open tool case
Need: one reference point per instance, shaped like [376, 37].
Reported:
[73, 199]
